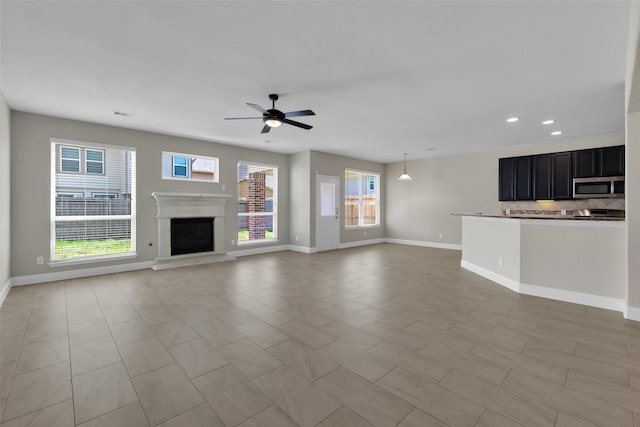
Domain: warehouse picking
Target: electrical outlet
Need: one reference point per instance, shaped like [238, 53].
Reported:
[563, 212]
[440, 236]
[296, 237]
[39, 260]
[224, 187]
[365, 233]
[500, 261]
[233, 242]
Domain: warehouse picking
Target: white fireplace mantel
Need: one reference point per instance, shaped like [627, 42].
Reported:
[189, 205]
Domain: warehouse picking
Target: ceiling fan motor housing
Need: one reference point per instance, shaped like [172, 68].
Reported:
[273, 114]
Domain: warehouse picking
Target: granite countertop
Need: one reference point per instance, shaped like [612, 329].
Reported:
[542, 216]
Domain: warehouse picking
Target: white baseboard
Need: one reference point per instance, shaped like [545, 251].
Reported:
[424, 244]
[75, 274]
[4, 290]
[303, 249]
[573, 297]
[632, 313]
[514, 285]
[550, 293]
[360, 243]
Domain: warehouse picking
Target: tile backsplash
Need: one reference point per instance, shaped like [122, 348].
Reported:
[555, 207]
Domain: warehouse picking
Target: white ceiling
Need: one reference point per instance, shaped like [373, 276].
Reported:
[383, 77]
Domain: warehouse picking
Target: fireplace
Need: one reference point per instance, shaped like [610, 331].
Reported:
[191, 235]
[191, 229]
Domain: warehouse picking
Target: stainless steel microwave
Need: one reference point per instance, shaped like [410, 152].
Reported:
[598, 187]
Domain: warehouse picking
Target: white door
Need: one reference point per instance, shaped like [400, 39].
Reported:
[327, 212]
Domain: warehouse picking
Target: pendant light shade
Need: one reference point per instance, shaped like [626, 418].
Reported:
[405, 176]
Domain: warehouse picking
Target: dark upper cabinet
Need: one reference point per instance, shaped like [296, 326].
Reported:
[612, 161]
[585, 163]
[561, 176]
[524, 186]
[515, 179]
[506, 178]
[606, 161]
[552, 176]
[542, 177]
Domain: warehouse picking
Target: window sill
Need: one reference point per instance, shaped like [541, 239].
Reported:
[256, 242]
[93, 259]
[359, 227]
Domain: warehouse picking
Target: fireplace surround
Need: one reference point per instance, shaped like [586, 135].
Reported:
[189, 205]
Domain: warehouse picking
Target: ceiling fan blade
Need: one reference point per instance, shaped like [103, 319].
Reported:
[298, 124]
[257, 107]
[241, 118]
[299, 113]
[265, 129]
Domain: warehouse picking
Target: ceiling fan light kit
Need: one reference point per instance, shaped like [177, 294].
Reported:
[405, 176]
[274, 118]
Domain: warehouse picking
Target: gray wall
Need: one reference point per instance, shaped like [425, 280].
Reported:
[5, 191]
[420, 210]
[632, 181]
[300, 190]
[333, 165]
[30, 183]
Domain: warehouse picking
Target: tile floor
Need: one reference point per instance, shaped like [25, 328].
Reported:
[385, 335]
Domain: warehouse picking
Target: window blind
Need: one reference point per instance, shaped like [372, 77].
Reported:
[99, 220]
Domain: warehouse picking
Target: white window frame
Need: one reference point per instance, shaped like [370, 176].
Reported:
[189, 177]
[53, 218]
[273, 214]
[87, 161]
[62, 159]
[360, 201]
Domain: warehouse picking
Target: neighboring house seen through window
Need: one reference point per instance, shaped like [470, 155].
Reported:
[361, 199]
[257, 202]
[94, 161]
[93, 207]
[69, 159]
[189, 167]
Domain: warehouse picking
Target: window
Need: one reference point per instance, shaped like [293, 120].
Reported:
[257, 202]
[189, 167]
[180, 166]
[93, 215]
[94, 161]
[361, 199]
[69, 159]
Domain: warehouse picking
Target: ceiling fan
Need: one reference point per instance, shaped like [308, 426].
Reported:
[273, 118]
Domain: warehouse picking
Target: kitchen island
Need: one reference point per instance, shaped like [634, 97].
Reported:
[564, 258]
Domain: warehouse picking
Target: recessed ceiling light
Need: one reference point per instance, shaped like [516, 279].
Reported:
[430, 148]
[548, 122]
[512, 119]
[557, 132]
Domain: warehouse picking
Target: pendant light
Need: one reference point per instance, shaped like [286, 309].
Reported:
[405, 176]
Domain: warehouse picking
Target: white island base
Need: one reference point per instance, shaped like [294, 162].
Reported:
[578, 261]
